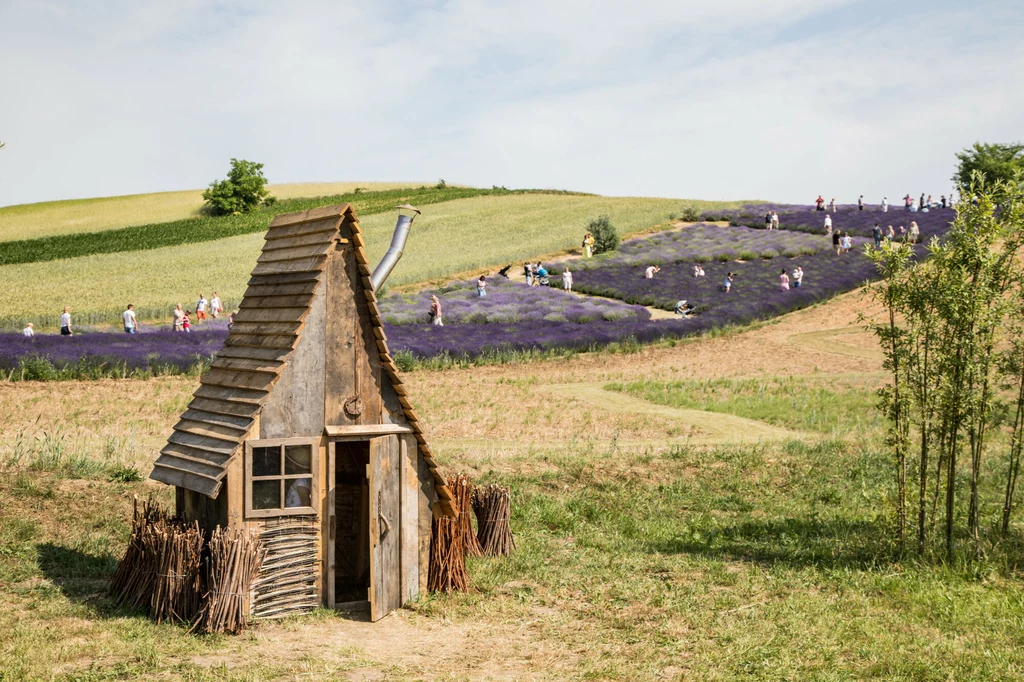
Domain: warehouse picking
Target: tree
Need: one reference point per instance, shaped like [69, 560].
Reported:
[949, 343]
[605, 236]
[244, 190]
[998, 163]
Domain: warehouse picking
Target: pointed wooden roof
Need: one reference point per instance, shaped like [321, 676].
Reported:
[266, 330]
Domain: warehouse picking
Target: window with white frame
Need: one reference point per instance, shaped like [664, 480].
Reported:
[281, 476]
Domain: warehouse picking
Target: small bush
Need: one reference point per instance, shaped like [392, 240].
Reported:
[122, 473]
[244, 190]
[768, 254]
[689, 214]
[606, 238]
[441, 184]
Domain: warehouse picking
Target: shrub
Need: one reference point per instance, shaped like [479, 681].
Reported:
[689, 214]
[605, 236]
[244, 190]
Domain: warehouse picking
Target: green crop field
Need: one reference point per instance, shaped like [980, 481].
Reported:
[450, 238]
[30, 221]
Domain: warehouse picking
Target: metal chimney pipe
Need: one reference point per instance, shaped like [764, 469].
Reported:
[394, 252]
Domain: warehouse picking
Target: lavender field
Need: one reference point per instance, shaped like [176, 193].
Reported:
[515, 317]
[847, 218]
[756, 292]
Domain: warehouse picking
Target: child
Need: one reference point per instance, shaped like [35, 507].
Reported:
[847, 242]
[231, 319]
[727, 284]
[185, 323]
[784, 280]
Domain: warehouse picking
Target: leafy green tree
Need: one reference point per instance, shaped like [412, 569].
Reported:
[998, 162]
[244, 190]
[606, 238]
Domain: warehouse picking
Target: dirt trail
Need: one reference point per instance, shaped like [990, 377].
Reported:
[711, 427]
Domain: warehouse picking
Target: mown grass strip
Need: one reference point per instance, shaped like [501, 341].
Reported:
[193, 230]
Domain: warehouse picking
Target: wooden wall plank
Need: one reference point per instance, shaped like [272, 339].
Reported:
[340, 341]
[312, 264]
[313, 214]
[294, 253]
[295, 406]
[425, 500]
[376, 474]
[410, 494]
[265, 314]
[282, 288]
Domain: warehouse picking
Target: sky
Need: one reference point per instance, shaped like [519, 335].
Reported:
[734, 99]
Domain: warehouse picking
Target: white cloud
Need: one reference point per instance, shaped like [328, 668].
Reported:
[719, 100]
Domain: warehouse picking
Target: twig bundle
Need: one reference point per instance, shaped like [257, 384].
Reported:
[492, 505]
[177, 550]
[462, 490]
[447, 552]
[133, 581]
[235, 560]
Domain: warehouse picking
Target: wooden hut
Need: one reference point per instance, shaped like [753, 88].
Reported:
[303, 431]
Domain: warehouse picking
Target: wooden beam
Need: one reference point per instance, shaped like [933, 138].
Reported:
[365, 431]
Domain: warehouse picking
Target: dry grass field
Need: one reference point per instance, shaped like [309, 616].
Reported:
[653, 543]
[28, 221]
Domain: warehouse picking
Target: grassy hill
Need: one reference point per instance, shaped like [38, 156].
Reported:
[30, 221]
[451, 237]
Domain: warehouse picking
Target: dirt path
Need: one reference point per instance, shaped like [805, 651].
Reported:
[709, 427]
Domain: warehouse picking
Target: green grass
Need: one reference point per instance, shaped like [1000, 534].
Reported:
[450, 238]
[47, 219]
[210, 228]
[823, 403]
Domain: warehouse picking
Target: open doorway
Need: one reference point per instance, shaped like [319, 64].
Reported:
[352, 514]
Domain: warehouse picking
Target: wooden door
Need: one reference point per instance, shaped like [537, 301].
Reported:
[385, 526]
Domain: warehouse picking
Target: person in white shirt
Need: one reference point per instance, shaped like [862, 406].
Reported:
[200, 309]
[215, 307]
[698, 271]
[179, 318]
[828, 224]
[775, 220]
[567, 279]
[885, 204]
[798, 277]
[29, 330]
[131, 325]
[65, 322]
[651, 269]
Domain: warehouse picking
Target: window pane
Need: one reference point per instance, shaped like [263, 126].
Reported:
[298, 494]
[266, 461]
[266, 494]
[297, 459]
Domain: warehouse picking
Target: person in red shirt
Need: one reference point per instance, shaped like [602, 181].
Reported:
[820, 201]
[908, 201]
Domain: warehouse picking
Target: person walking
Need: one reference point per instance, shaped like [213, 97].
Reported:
[876, 234]
[528, 274]
[915, 232]
[131, 325]
[885, 204]
[908, 202]
[179, 319]
[890, 234]
[65, 322]
[567, 279]
[832, 205]
[481, 286]
[29, 331]
[784, 280]
[768, 220]
[828, 224]
[798, 277]
[819, 203]
[835, 242]
[200, 309]
[920, 202]
[435, 311]
[186, 323]
[775, 220]
[860, 203]
[215, 306]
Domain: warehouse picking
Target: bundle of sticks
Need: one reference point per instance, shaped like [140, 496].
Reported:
[177, 551]
[447, 546]
[235, 560]
[492, 505]
[462, 491]
[133, 581]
